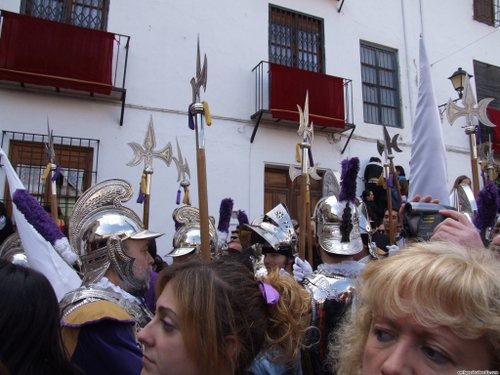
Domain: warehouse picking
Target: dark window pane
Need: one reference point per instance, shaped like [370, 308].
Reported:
[486, 11]
[295, 39]
[85, 13]
[380, 85]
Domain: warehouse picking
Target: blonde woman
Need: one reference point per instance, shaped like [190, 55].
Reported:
[432, 308]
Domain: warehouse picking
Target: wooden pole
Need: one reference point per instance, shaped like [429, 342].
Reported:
[198, 111]
[53, 195]
[389, 206]
[145, 213]
[471, 132]
[310, 254]
[203, 203]
[303, 217]
[395, 180]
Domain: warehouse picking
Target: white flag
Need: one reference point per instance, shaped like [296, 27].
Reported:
[428, 169]
[40, 253]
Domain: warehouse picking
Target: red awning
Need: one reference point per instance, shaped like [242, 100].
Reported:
[42, 52]
[326, 96]
[495, 118]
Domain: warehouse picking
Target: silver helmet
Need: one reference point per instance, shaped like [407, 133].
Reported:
[187, 237]
[337, 226]
[275, 229]
[13, 251]
[365, 227]
[97, 228]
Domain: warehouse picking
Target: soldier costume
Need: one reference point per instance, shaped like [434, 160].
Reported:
[187, 237]
[100, 320]
[332, 285]
[274, 233]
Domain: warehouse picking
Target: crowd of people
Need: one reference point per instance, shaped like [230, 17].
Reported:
[369, 302]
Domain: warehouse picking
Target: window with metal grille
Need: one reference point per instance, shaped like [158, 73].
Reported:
[487, 11]
[296, 40]
[379, 74]
[92, 14]
[77, 158]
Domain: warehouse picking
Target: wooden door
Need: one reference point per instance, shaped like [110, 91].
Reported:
[279, 188]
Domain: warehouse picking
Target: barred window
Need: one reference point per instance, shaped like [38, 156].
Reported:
[92, 14]
[296, 40]
[379, 74]
[487, 11]
[76, 157]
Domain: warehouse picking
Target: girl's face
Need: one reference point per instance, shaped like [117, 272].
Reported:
[402, 346]
[164, 349]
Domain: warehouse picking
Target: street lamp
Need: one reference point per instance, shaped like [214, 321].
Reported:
[469, 111]
[458, 81]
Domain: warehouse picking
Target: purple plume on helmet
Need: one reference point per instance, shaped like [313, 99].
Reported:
[487, 206]
[242, 218]
[225, 212]
[350, 169]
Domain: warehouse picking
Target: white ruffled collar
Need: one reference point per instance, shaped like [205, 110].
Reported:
[104, 283]
[347, 268]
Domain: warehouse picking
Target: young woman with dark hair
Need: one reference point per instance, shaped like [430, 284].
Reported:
[30, 330]
[214, 318]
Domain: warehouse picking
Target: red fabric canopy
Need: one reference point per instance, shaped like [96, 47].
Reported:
[495, 118]
[42, 52]
[326, 96]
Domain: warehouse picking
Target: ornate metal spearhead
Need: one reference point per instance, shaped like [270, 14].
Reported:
[306, 130]
[311, 171]
[182, 164]
[201, 76]
[388, 144]
[49, 146]
[148, 153]
[469, 110]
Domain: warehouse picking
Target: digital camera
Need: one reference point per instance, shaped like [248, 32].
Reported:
[420, 219]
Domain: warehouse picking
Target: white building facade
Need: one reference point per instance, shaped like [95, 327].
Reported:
[236, 36]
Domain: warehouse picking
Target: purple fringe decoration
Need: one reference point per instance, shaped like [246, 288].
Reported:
[37, 216]
[57, 173]
[190, 118]
[487, 206]
[178, 199]
[225, 212]
[242, 218]
[141, 198]
[350, 169]
[390, 181]
[311, 161]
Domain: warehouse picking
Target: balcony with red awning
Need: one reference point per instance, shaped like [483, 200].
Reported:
[38, 54]
[279, 89]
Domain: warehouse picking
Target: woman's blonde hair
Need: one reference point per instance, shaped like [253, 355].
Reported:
[437, 284]
[220, 299]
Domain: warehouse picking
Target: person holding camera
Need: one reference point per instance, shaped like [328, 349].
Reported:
[456, 228]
